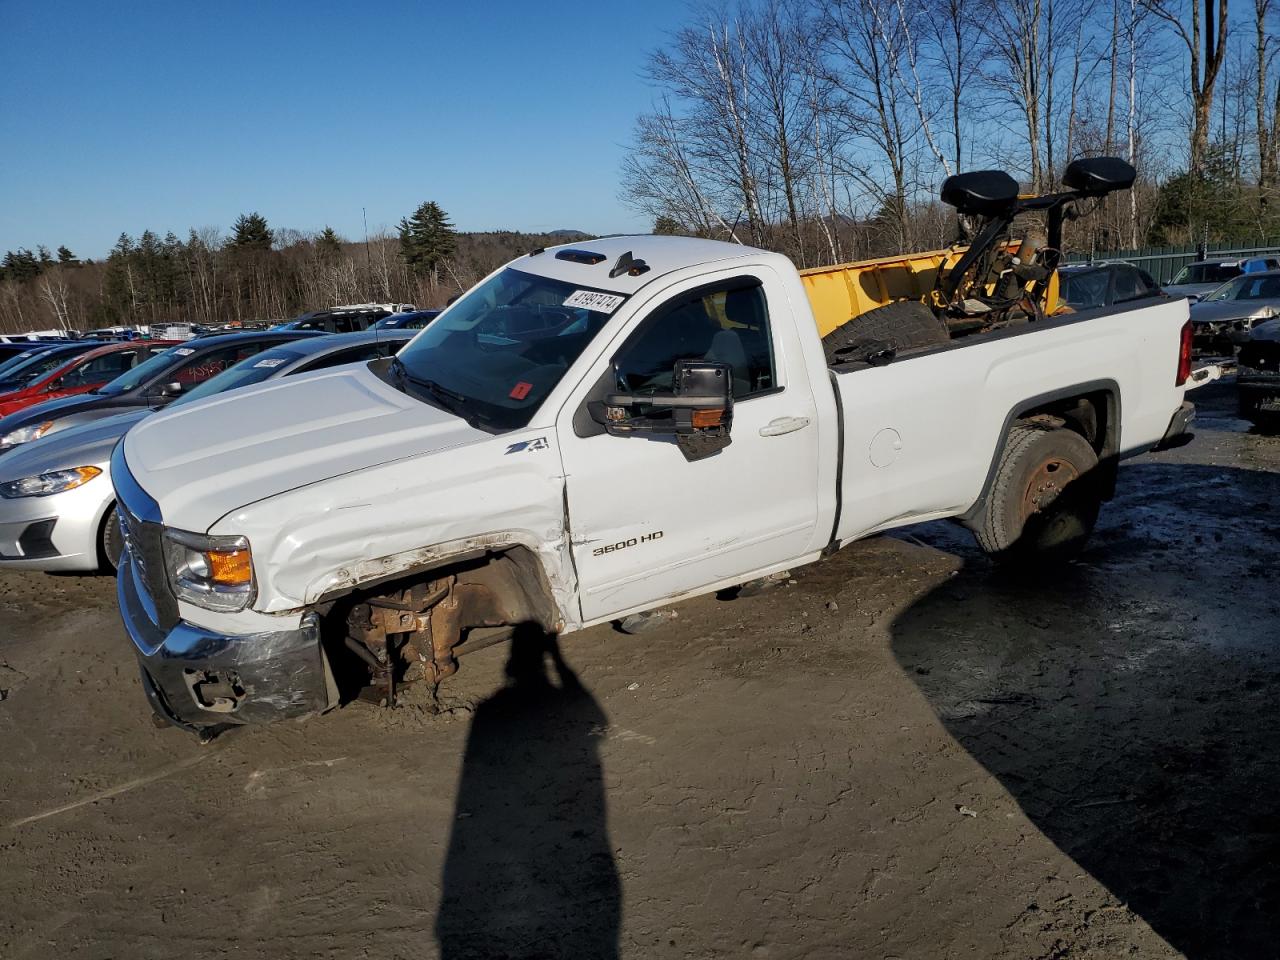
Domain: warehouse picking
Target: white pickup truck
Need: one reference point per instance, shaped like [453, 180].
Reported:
[593, 431]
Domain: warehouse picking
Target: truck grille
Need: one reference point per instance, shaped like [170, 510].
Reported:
[143, 532]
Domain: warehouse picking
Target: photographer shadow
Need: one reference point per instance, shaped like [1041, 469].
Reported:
[530, 871]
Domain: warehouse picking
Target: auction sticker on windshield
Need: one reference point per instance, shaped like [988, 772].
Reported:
[594, 300]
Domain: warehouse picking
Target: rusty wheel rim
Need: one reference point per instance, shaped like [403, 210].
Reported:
[1047, 482]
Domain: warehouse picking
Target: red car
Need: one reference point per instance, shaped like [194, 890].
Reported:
[79, 373]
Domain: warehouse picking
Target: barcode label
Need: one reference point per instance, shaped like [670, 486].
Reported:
[594, 300]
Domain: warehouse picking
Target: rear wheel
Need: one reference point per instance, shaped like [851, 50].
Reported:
[907, 324]
[110, 542]
[1045, 499]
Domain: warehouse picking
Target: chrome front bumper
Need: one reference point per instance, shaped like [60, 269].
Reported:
[198, 679]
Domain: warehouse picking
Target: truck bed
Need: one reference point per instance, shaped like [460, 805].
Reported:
[843, 291]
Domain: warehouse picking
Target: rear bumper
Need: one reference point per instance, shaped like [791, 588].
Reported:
[1179, 432]
[196, 678]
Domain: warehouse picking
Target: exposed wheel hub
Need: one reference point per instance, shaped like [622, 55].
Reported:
[1047, 482]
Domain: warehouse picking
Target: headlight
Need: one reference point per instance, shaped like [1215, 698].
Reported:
[212, 572]
[45, 484]
[25, 434]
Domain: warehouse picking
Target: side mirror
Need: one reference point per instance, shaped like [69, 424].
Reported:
[171, 390]
[699, 413]
[1096, 176]
[983, 193]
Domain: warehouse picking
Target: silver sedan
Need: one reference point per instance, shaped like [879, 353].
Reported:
[1221, 321]
[56, 499]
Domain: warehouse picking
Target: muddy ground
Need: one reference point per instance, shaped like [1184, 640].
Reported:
[904, 754]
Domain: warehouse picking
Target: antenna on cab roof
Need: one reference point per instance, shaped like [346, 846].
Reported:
[629, 265]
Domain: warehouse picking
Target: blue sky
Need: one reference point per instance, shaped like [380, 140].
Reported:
[127, 116]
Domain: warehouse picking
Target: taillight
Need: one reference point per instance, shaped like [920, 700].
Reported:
[1184, 355]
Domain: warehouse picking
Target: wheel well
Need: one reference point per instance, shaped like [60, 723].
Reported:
[415, 626]
[107, 516]
[512, 574]
[1093, 415]
[1091, 410]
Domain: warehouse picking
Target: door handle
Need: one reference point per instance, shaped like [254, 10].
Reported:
[776, 428]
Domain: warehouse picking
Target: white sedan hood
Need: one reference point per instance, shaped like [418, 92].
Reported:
[203, 460]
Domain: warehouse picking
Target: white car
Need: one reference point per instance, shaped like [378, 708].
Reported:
[593, 431]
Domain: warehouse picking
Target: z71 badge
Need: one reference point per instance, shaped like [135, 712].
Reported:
[526, 446]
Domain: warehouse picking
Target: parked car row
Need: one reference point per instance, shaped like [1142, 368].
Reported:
[1235, 313]
[56, 497]
[343, 319]
[1203, 277]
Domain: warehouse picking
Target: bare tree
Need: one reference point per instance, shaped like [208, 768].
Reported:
[781, 109]
[953, 50]
[661, 177]
[56, 293]
[1206, 45]
[862, 52]
[1016, 64]
[708, 67]
[1267, 102]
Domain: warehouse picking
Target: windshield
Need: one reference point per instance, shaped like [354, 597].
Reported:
[252, 370]
[1207, 273]
[1248, 288]
[494, 356]
[1083, 289]
[143, 372]
[30, 368]
[14, 360]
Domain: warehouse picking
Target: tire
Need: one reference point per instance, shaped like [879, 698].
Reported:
[110, 543]
[1045, 499]
[907, 324]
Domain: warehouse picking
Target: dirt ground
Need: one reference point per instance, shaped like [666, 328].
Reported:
[904, 754]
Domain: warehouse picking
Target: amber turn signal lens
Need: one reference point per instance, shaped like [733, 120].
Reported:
[231, 568]
[708, 418]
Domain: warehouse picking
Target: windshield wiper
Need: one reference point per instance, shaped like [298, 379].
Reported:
[446, 399]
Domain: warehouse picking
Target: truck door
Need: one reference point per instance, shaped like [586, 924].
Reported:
[647, 524]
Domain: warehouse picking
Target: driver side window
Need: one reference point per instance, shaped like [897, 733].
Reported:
[725, 324]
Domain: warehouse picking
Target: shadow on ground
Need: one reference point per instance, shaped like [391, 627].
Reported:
[1129, 702]
[530, 871]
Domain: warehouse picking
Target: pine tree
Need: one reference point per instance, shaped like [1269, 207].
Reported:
[21, 265]
[67, 258]
[328, 245]
[250, 232]
[45, 259]
[120, 278]
[427, 239]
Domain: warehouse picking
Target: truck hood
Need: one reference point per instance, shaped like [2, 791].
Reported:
[1220, 310]
[1190, 289]
[87, 445]
[203, 460]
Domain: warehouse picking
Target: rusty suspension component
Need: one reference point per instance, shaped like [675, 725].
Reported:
[412, 633]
